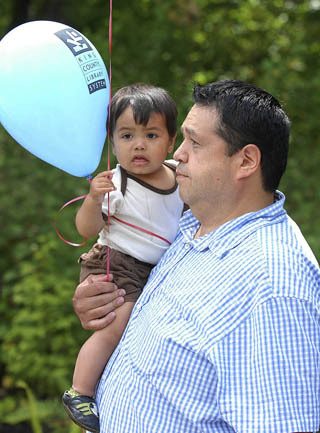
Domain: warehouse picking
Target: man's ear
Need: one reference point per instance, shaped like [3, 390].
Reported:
[249, 160]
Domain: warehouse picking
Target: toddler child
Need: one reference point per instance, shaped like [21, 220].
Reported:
[141, 198]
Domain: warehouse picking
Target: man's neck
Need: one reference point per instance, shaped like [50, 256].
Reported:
[212, 218]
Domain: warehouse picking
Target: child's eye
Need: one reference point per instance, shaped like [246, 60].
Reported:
[152, 135]
[126, 136]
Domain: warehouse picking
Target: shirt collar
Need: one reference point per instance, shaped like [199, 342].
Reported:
[232, 233]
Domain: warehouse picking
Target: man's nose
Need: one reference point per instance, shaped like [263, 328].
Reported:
[180, 153]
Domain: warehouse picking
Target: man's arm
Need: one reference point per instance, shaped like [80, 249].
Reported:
[95, 301]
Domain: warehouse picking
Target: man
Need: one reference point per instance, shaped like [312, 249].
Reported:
[226, 335]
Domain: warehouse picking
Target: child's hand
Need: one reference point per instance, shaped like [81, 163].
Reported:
[101, 185]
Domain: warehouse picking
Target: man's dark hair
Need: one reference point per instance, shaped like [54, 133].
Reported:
[250, 115]
[144, 99]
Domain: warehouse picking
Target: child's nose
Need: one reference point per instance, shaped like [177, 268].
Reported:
[140, 144]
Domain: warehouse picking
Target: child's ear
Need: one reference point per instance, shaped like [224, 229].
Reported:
[112, 146]
[172, 143]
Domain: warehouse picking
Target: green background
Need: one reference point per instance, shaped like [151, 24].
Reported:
[170, 43]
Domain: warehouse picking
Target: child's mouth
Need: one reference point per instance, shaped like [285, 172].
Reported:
[140, 160]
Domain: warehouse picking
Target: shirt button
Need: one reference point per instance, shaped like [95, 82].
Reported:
[187, 246]
[138, 306]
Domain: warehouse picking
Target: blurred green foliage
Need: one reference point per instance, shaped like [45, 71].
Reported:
[171, 43]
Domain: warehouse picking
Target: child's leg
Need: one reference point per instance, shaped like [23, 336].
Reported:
[96, 351]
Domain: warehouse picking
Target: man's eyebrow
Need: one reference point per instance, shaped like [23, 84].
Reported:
[189, 131]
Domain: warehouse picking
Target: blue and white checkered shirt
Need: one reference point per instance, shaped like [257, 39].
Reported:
[225, 337]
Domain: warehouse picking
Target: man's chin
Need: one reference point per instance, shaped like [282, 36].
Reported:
[184, 196]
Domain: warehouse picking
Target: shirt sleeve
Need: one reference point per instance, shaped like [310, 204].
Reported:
[269, 369]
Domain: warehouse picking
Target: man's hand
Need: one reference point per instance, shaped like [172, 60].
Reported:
[95, 300]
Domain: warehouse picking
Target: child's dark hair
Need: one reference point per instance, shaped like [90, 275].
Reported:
[144, 99]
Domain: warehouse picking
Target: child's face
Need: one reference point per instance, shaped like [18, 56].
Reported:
[141, 149]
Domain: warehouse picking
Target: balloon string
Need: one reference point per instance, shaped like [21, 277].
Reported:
[74, 244]
[141, 229]
[81, 197]
[108, 128]
[54, 223]
[108, 165]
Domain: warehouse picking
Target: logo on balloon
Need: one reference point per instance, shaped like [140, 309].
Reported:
[74, 40]
[88, 61]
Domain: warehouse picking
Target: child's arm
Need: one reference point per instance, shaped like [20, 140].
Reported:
[89, 219]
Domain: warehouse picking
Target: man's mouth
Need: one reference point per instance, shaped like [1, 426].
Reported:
[180, 174]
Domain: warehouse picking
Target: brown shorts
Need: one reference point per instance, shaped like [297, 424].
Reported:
[128, 273]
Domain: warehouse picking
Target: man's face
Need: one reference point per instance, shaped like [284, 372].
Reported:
[205, 172]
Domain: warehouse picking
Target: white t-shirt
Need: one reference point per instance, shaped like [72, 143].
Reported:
[142, 205]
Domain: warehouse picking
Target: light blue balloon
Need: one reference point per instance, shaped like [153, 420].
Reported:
[54, 95]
